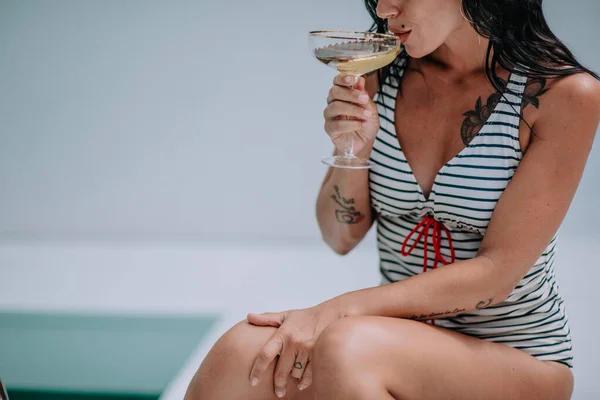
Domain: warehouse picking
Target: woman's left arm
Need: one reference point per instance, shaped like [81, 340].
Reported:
[524, 221]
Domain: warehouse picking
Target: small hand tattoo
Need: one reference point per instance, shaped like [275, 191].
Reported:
[347, 214]
[484, 304]
[438, 314]
[475, 119]
[298, 365]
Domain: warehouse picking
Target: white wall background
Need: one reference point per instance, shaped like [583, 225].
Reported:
[164, 122]
[184, 120]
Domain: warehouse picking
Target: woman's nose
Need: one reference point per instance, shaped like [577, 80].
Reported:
[388, 9]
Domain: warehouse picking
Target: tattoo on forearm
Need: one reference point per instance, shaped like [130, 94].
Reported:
[347, 214]
[437, 315]
[484, 304]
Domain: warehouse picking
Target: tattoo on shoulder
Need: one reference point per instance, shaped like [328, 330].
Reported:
[347, 214]
[484, 304]
[475, 119]
[536, 88]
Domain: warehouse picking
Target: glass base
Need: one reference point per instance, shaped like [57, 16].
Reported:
[347, 162]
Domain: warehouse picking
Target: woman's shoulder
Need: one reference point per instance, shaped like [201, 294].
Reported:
[562, 96]
[580, 86]
[569, 110]
[569, 92]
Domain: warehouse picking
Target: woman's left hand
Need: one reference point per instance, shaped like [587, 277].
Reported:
[293, 342]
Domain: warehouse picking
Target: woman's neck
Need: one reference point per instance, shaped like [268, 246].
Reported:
[462, 55]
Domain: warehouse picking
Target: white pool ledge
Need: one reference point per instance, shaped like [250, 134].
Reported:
[231, 280]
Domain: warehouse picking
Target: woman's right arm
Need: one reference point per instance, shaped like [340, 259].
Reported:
[344, 211]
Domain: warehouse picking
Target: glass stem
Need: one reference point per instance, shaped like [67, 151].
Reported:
[349, 148]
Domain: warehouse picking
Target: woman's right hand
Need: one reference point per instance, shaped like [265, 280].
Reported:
[350, 110]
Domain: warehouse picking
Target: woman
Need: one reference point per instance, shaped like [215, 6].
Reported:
[479, 132]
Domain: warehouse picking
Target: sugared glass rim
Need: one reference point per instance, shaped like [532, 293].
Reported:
[374, 36]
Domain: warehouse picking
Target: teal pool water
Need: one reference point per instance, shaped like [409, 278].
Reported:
[79, 356]
[41, 395]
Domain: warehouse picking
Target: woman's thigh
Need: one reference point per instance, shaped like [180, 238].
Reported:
[225, 372]
[415, 360]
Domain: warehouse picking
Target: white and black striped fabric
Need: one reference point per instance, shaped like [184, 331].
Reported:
[464, 194]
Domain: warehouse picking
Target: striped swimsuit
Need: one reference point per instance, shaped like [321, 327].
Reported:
[451, 223]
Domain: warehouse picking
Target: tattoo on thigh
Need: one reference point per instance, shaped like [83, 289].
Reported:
[484, 304]
[347, 214]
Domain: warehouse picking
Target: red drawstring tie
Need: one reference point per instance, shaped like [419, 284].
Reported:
[424, 226]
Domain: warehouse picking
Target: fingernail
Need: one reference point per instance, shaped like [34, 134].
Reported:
[363, 98]
[280, 393]
[368, 113]
[254, 381]
[348, 79]
[302, 386]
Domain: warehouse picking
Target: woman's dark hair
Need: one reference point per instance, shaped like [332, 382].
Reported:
[519, 36]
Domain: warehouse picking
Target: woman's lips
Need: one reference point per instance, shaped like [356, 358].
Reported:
[403, 36]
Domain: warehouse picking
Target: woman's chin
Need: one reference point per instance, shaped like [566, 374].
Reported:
[412, 52]
[416, 52]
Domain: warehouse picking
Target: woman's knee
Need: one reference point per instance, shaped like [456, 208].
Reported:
[228, 363]
[236, 346]
[347, 340]
[342, 351]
